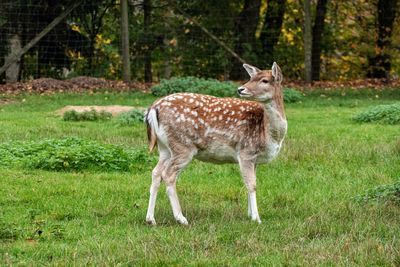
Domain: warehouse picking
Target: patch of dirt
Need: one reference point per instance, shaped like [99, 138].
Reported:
[114, 110]
[6, 101]
[77, 84]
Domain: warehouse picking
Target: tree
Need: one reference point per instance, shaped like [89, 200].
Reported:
[148, 75]
[272, 29]
[380, 63]
[307, 35]
[245, 35]
[317, 31]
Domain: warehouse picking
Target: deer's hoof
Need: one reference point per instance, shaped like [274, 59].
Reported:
[151, 221]
[181, 219]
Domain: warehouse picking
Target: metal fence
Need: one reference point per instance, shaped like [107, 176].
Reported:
[166, 38]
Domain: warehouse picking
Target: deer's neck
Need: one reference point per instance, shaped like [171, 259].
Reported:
[276, 104]
[276, 123]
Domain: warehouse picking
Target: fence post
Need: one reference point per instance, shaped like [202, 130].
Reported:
[126, 66]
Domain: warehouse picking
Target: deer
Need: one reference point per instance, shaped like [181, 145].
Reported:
[247, 131]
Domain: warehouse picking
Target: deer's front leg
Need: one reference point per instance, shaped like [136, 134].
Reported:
[248, 171]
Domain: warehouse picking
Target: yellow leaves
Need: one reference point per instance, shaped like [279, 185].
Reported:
[288, 36]
[100, 40]
[75, 28]
[75, 54]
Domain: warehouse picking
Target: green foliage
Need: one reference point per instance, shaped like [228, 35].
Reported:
[91, 115]
[383, 193]
[129, 118]
[210, 87]
[291, 95]
[194, 85]
[387, 114]
[71, 154]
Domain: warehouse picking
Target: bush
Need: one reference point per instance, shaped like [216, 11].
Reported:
[131, 117]
[291, 95]
[72, 154]
[385, 193]
[194, 85]
[91, 115]
[210, 87]
[387, 114]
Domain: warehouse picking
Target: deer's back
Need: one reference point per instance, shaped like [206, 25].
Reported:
[216, 127]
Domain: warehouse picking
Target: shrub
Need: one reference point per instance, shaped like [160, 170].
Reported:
[387, 114]
[194, 85]
[388, 192]
[131, 117]
[91, 115]
[72, 154]
[291, 95]
[210, 87]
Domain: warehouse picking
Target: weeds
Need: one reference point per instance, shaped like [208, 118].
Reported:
[91, 115]
[71, 154]
[386, 114]
[130, 118]
[382, 193]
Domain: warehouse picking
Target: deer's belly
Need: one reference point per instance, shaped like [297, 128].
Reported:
[217, 153]
[272, 150]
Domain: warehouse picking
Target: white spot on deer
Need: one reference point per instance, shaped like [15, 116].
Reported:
[201, 121]
[233, 113]
[186, 110]
[182, 117]
[220, 117]
[194, 113]
[191, 100]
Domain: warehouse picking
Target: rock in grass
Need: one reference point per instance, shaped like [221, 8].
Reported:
[386, 114]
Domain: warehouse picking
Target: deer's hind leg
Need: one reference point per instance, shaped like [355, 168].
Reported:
[156, 180]
[178, 161]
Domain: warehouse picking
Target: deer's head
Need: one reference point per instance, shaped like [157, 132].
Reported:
[263, 84]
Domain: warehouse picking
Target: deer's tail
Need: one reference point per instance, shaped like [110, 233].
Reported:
[151, 119]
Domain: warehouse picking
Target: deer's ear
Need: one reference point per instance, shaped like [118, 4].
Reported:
[277, 73]
[251, 70]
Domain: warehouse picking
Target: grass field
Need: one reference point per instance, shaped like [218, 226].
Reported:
[305, 196]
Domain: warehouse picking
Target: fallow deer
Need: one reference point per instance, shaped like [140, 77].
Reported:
[218, 130]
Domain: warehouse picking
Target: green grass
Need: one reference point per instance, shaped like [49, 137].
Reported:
[305, 197]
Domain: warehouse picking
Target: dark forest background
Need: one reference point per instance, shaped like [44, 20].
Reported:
[313, 40]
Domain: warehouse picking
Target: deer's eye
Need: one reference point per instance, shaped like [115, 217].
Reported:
[264, 81]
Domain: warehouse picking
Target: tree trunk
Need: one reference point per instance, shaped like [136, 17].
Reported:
[317, 38]
[380, 63]
[13, 71]
[245, 33]
[126, 70]
[307, 34]
[272, 29]
[148, 76]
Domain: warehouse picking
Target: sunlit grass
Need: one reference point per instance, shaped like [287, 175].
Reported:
[305, 196]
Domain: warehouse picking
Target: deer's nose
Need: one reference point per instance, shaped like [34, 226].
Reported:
[240, 90]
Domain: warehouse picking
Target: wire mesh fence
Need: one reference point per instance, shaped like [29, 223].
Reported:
[198, 38]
